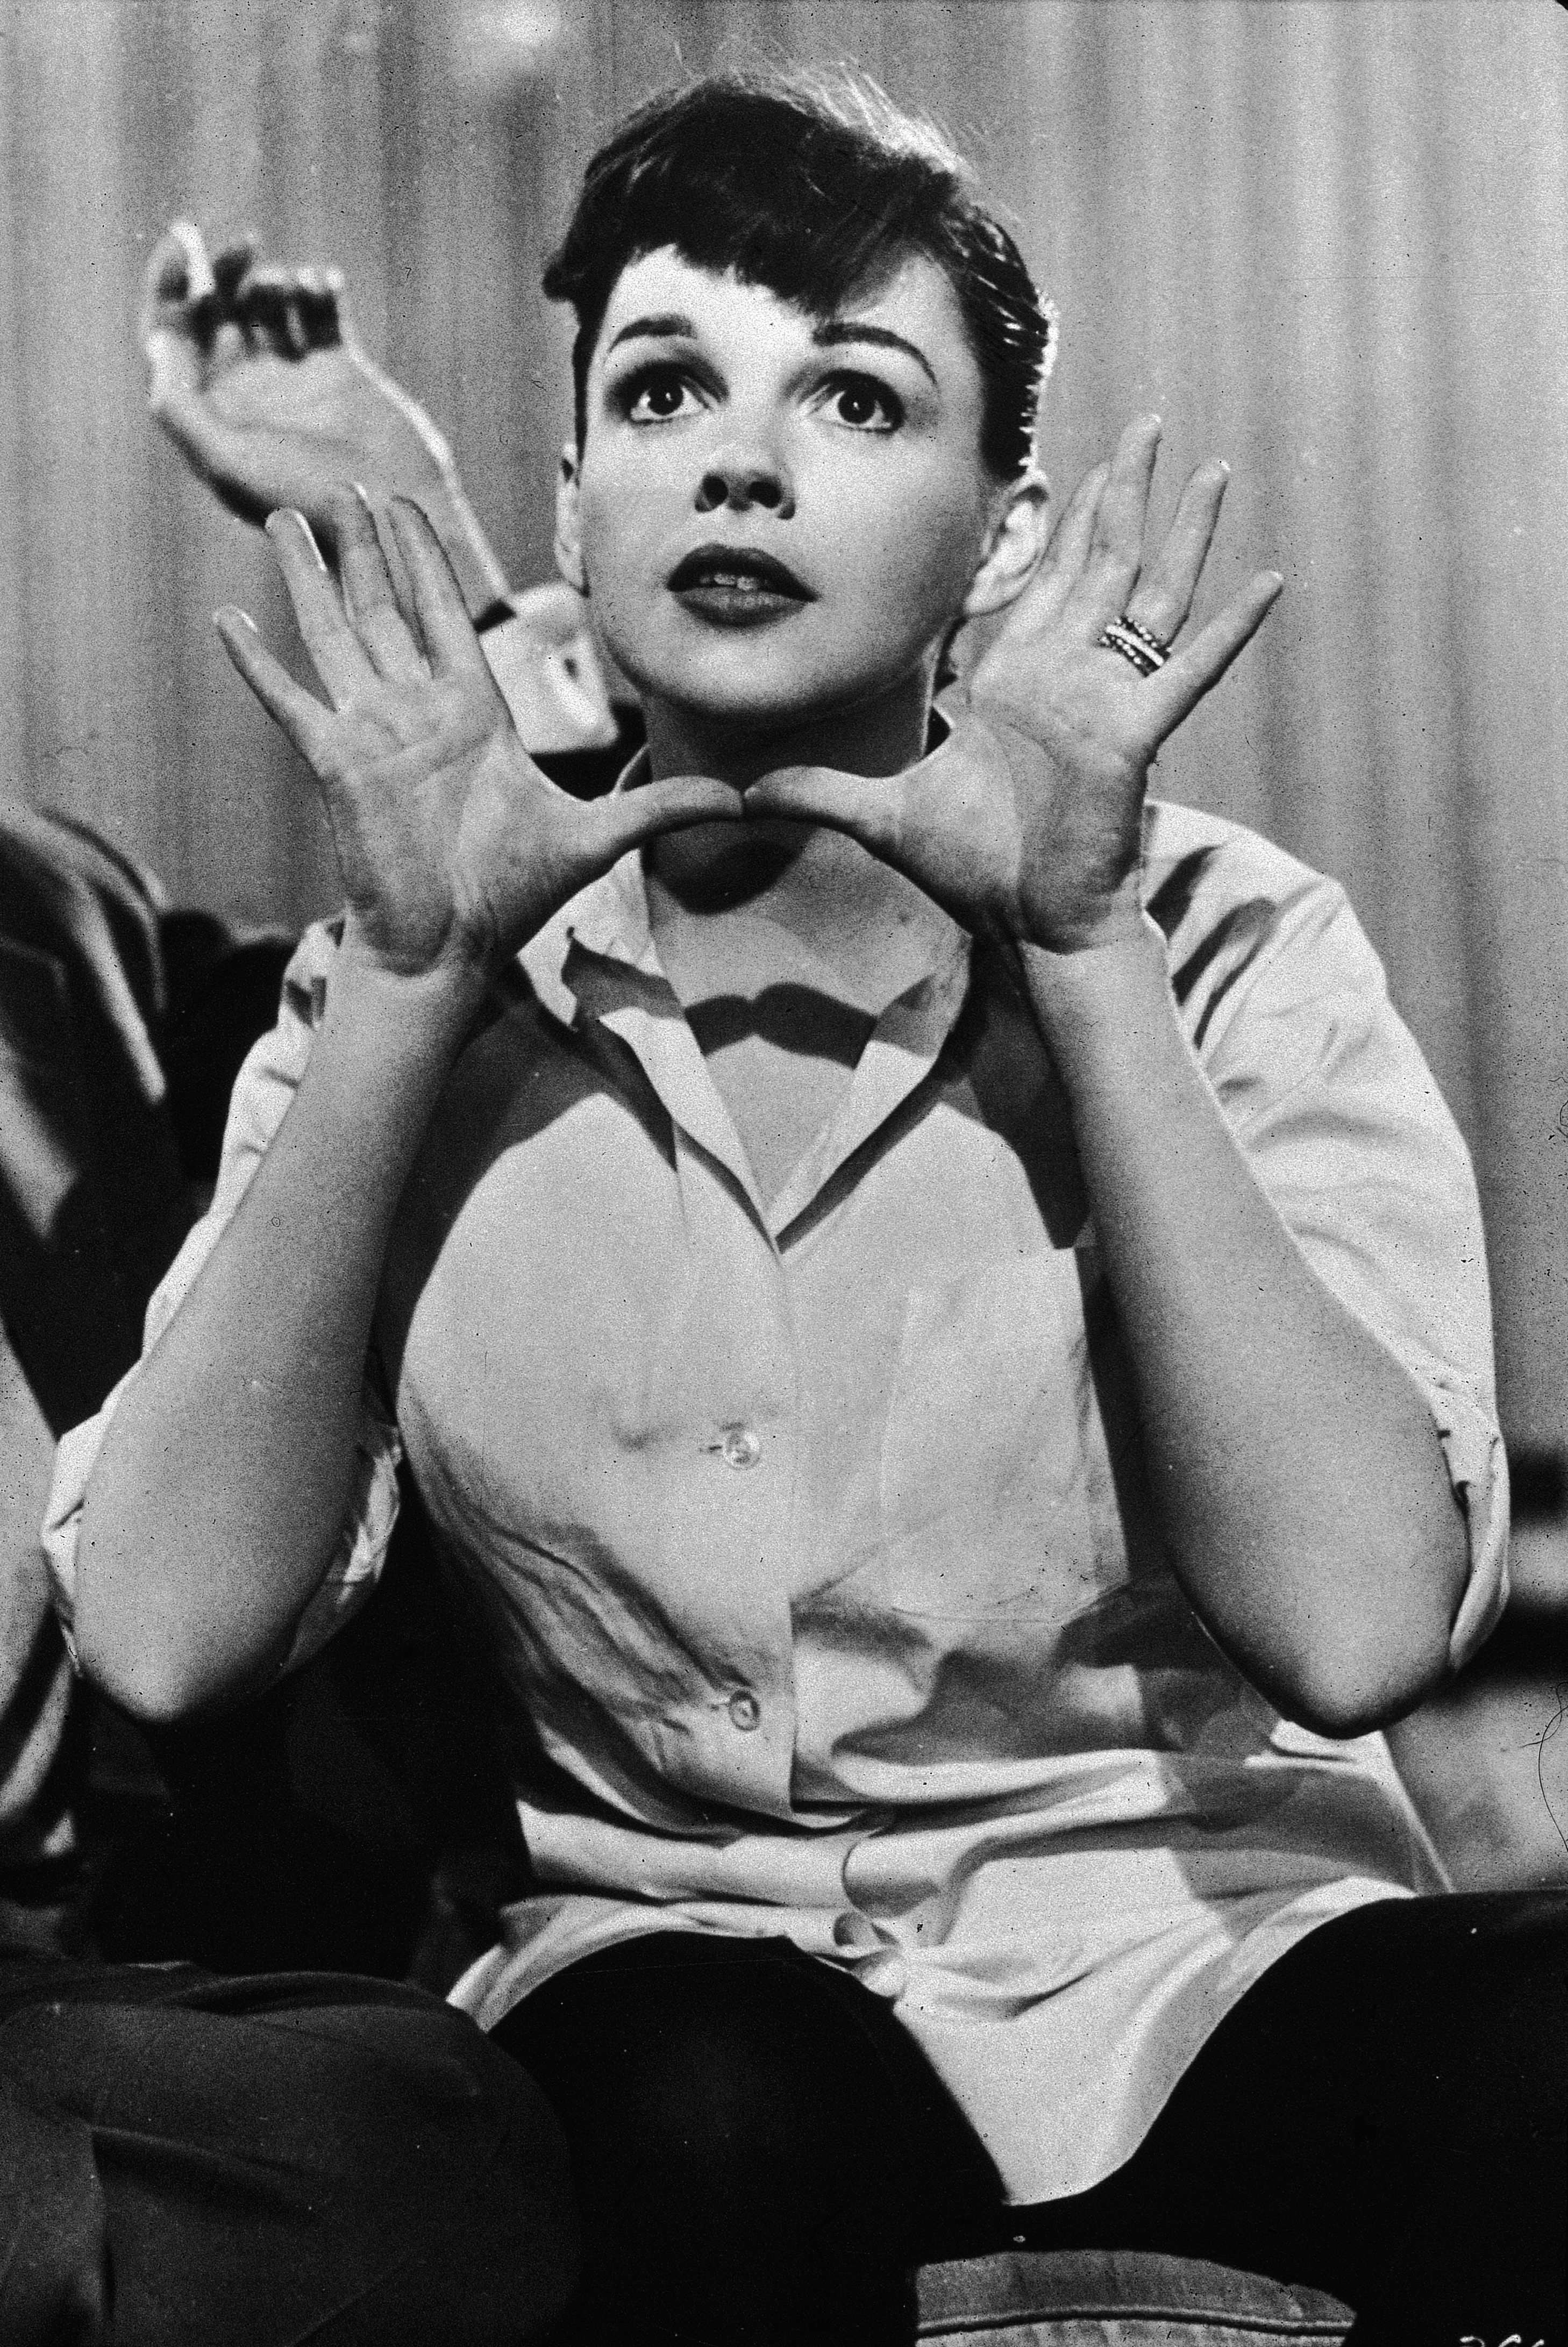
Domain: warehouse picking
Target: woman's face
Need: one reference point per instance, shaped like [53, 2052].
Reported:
[775, 517]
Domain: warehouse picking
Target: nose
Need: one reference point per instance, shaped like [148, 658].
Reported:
[738, 479]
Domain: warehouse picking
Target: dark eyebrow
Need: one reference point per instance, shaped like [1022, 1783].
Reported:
[666, 323]
[670, 324]
[845, 330]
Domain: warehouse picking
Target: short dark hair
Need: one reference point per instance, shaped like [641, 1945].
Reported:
[814, 185]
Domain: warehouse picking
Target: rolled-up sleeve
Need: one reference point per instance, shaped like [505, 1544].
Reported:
[265, 1086]
[1342, 1121]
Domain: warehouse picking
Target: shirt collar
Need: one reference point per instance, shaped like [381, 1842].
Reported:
[608, 918]
[621, 983]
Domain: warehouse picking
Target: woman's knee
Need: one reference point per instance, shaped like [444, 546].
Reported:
[722, 2086]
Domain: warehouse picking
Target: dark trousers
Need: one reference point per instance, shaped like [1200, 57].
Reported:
[187, 2161]
[761, 2153]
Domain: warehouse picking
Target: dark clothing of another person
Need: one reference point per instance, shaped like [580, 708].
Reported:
[187, 2161]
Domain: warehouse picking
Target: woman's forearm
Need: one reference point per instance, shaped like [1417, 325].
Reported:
[218, 1498]
[1296, 1471]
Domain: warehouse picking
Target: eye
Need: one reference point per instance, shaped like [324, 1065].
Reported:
[656, 395]
[862, 403]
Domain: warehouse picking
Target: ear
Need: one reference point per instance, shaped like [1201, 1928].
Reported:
[1017, 543]
[569, 537]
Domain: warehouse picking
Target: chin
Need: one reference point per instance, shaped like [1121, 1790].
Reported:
[746, 705]
[743, 694]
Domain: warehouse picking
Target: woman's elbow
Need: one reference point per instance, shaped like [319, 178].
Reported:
[1381, 1660]
[150, 1678]
[158, 1661]
[1372, 1694]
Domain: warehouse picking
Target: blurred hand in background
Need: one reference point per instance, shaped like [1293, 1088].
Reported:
[257, 376]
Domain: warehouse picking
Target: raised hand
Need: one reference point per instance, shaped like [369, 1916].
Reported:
[257, 377]
[454, 847]
[1026, 823]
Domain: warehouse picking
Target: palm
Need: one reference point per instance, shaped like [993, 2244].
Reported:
[454, 847]
[258, 377]
[298, 428]
[1018, 833]
[1026, 823]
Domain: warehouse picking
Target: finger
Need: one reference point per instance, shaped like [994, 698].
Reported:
[340, 659]
[453, 647]
[1178, 687]
[369, 591]
[1065, 558]
[262, 309]
[297, 332]
[1116, 546]
[289, 312]
[632, 817]
[179, 318]
[1074, 532]
[178, 276]
[870, 808]
[1163, 596]
[321, 307]
[231, 266]
[299, 714]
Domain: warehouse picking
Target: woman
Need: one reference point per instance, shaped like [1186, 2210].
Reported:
[934, 1308]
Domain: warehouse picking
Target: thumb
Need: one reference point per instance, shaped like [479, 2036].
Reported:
[629, 817]
[870, 808]
[173, 370]
[177, 279]
[178, 297]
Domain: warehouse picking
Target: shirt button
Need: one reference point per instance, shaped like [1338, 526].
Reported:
[741, 1446]
[745, 1711]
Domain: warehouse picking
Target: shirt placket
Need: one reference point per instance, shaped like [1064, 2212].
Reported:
[733, 1514]
[730, 1502]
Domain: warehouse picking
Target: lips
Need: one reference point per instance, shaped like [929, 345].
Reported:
[737, 584]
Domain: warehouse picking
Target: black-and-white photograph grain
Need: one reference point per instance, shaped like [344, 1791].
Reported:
[784, 1173]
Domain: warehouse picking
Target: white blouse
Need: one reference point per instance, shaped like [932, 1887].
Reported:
[813, 1540]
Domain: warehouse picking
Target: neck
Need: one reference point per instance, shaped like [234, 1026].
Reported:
[820, 883]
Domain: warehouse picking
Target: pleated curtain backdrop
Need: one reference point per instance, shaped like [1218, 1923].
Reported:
[1327, 238]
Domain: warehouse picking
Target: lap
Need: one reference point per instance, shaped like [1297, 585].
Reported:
[758, 2145]
[1384, 2102]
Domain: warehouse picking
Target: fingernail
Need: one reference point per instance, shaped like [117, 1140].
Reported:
[1225, 469]
[235, 617]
